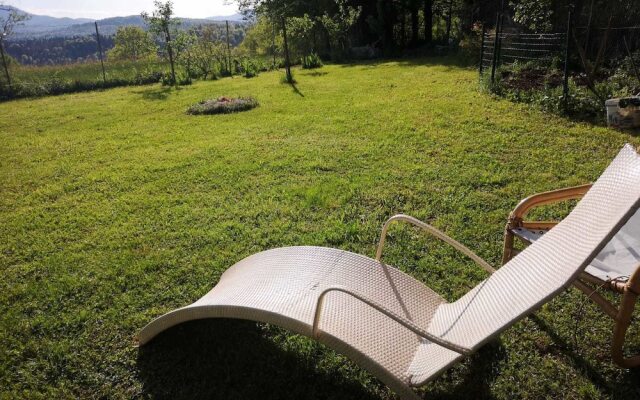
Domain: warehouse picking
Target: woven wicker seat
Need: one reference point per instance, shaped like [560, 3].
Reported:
[395, 326]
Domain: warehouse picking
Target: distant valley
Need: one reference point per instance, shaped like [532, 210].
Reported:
[42, 26]
[45, 40]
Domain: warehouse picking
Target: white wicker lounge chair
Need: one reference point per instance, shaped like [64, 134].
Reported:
[392, 325]
[616, 268]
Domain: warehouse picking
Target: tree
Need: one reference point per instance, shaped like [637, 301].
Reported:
[161, 23]
[415, 21]
[132, 43]
[277, 11]
[300, 34]
[209, 52]
[261, 39]
[338, 26]
[12, 19]
[428, 20]
[186, 49]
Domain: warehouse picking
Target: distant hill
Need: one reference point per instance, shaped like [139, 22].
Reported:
[41, 26]
[109, 26]
[231, 18]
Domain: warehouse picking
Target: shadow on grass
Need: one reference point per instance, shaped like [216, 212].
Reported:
[296, 90]
[315, 73]
[632, 132]
[231, 359]
[481, 371]
[155, 93]
[452, 62]
[627, 387]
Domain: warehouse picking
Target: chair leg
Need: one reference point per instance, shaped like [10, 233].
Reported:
[507, 251]
[623, 320]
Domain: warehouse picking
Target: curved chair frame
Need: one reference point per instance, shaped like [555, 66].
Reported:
[629, 290]
[198, 311]
[396, 327]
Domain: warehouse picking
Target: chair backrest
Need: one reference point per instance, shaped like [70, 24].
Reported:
[549, 265]
[621, 256]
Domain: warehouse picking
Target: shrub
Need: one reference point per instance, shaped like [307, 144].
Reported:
[166, 79]
[470, 44]
[147, 77]
[183, 79]
[541, 85]
[223, 105]
[311, 61]
[250, 68]
[55, 80]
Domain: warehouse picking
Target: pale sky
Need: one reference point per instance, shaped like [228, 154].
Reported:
[98, 9]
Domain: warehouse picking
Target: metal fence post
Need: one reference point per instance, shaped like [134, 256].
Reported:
[565, 81]
[104, 75]
[499, 56]
[495, 50]
[484, 32]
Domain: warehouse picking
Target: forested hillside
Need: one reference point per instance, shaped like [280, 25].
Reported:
[83, 47]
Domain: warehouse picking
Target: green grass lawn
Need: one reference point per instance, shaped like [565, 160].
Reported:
[117, 206]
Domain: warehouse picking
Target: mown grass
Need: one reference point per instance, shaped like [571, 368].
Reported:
[117, 206]
[86, 72]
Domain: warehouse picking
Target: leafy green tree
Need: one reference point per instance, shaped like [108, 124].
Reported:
[301, 35]
[262, 39]
[535, 15]
[185, 51]
[132, 43]
[278, 12]
[210, 52]
[12, 19]
[161, 23]
[551, 15]
[338, 25]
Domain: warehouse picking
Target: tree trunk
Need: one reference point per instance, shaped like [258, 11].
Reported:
[5, 64]
[228, 48]
[287, 61]
[403, 28]
[414, 23]
[170, 50]
[449, 12]
[273, 45]
[386, 17]
[428, 20]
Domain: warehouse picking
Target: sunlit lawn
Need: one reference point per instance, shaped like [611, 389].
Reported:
[116, 207]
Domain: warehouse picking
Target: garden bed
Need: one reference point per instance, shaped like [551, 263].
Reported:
[223, 105]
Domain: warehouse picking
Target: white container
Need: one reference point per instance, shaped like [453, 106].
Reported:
[623, 113]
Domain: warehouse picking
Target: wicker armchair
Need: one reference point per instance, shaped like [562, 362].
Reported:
[624, 281]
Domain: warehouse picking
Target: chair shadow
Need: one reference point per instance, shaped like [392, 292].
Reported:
[620, 389]
[481, 370]
[231, 359]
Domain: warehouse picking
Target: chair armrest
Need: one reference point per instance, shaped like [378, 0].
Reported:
[434, 232]
[555, 196]
[410, 325]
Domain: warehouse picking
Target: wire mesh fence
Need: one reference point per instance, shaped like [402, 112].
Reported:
[508, 48]
[503, 48]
